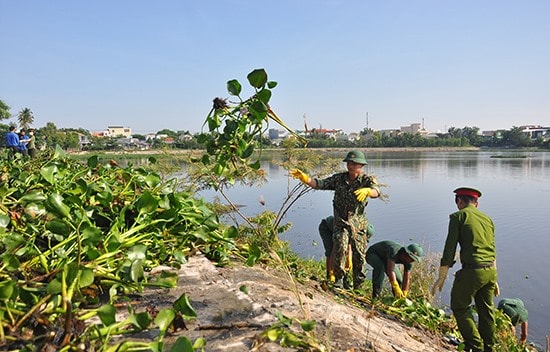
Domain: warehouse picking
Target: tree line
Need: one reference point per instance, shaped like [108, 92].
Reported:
[70, 138]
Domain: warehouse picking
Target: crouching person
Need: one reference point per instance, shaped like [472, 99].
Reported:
[383, 257]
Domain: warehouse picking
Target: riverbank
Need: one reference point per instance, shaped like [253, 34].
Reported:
[236, 304]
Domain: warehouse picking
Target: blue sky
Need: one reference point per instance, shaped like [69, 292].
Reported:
[151, 65]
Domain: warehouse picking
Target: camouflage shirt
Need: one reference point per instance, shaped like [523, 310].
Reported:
[345, 202]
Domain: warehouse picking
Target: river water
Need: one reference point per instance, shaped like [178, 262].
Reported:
[516, 194]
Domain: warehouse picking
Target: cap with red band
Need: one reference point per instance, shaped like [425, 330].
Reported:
[467, 191]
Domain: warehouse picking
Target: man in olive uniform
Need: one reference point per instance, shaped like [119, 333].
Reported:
[515, 309]
[326, 231]
[351, 191]
[383, 256]
[477, 280]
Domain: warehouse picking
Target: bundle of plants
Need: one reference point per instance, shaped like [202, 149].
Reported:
[77, 237]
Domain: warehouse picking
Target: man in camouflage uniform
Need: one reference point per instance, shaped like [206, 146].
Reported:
[351, 191]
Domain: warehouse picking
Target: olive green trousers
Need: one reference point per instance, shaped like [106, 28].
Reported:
[477, 285]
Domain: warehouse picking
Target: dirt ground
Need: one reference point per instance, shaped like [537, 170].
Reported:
[236, 304]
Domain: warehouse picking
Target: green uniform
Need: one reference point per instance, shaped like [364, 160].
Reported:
[350, 224]
[475, 232]
[515, 309]
[377, 257]
[325, 230]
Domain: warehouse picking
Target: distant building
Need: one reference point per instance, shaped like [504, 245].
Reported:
[117, 131]
[535, 132]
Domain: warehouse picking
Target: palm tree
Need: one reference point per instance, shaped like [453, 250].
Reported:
[26, 118]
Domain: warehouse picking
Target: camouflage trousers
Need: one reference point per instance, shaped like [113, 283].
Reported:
[350, 233]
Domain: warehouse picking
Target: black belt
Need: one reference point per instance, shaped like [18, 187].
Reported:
[477, 266]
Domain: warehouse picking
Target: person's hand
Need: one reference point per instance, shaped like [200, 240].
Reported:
[299, 175]
[497, 290]
[405, 293]
[397, 290]
[362, 193]
[438, 284]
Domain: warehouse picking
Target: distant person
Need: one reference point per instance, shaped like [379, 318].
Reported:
[477, 280]
[12, 143]
[383, 257]
[352, 189]
[23, 140]
[515, 309]
[326, 232]
[31, 145]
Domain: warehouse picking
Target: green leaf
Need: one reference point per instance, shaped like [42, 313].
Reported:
[164, 318]
[183, 306]
[93, 161]
[107, 313]
[7, 288]
[48, 173]
[146, 203]
[86, 277]
[234, 87]
[4, 220]
[271, 84]
[257, 78]
[54, 287]
[55, 204]
[264, 95]
[243, 289]
[58, 226]
[308, 325]
[183, 344]
[33, 196]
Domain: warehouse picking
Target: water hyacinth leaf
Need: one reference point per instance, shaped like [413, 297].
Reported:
[107, 314]
[234, 87]
[260, 110]
[86, 277]
[4, 220]
[308, 325]
[273, 334]
[7, 288]
[271, 84]
[146, 203]
[264, 95]
[55, 203]
[136, 270]
[48, 172]
[10, 262]
[164, 319]
[58, 153]
[58, 226]
[254, 254]
[140, 320]
[165, 279]
[54, 287]
[257, 78]
[33, 196]
[93, 161]
[199, 343]
[183, 306]
[91, 235]
[183, 344]
[152, 180]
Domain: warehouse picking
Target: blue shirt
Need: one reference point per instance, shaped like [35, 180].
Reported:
[12, 139]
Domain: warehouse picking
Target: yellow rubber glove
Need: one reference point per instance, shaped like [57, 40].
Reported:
[349, 261]
[497, 290]
[331, 276]
[299, 175]
[362, 193]
[438, 284]
[396, 289]
[405, 293]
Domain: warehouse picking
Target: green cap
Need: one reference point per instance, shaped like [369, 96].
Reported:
[414, 251]
[356, 156]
